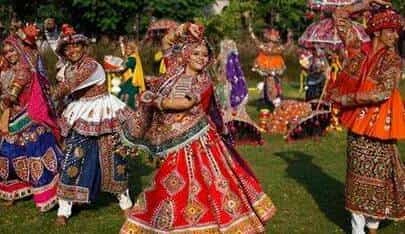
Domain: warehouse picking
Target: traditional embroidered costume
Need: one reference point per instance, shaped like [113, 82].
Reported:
[232, 93]
[373, 112]
[50, 37]
[90, 123]
[133, 81]
[125, 79]
[315, 81]
[306, 61]
[270, 64]
[29, 154]
[203, 185]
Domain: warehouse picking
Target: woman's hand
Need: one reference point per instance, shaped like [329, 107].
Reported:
[334, 97]
[380, 2]
[177, 104]
[5, 100]
[344, 12]
[147, 97]
[195, 30]
[55, 93]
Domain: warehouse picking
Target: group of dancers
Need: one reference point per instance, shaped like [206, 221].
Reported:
[63, 144]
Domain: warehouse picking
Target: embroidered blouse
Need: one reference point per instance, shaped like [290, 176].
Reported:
[368, 89]
[170, 129]
[78, 79]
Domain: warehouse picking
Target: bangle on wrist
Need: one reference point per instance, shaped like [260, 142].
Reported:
[192, 97]
[158, 101]
[15, 90]
[2, 106]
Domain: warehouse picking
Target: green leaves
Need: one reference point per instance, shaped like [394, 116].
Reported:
[181, 10]
[399, 5]
[230, 23]
[104, 16]
[120, 16]
[283, 13]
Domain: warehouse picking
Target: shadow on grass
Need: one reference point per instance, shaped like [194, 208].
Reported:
[138, 168]
[260, 104]
[327, 192]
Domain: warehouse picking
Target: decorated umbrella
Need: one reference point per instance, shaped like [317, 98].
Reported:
[158, 26]
[244, 133]
[324, 34]
[329, 5]
[313, 125]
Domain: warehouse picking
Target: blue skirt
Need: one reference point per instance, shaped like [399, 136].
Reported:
[29, 156]
[91, 165]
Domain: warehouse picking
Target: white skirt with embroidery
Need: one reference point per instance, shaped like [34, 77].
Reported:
[95, 116]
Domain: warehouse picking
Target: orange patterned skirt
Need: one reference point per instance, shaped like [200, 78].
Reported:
[268, 64]
[385, 121]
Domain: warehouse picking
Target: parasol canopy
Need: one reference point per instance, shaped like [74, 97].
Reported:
[160, 25]
[324, 34]
[329, 5]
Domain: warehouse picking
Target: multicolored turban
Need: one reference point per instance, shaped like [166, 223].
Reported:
[69, 36]
[28, 34]
[385, 19]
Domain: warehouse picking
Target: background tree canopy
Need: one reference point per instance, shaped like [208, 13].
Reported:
[129, 16]
[107, 16]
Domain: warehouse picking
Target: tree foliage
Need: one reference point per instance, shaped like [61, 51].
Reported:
[178, 9]
[281, 14]
[230, 23]
[120, 16]
[399, 5]
[107, 16]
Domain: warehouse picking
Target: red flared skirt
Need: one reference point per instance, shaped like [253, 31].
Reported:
[202, 187]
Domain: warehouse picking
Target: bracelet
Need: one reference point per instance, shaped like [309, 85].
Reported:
[191, 97]
[2, 107]
[158, 101]
[15, 90]
[147, 97]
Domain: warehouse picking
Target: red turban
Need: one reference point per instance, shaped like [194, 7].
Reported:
[385, 19]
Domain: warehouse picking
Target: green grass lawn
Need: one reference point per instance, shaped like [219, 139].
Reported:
[305, 179]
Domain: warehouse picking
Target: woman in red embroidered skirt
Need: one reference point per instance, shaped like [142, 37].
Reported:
[203, 185]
